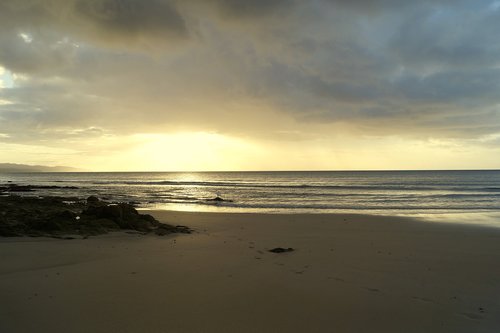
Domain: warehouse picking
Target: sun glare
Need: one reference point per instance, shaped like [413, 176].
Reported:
[188, 151]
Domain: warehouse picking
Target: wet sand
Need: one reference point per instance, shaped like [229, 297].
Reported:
[348, 273]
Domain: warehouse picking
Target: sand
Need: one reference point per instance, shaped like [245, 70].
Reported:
[348, 273]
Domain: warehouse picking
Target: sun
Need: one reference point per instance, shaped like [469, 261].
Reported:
[188, 151]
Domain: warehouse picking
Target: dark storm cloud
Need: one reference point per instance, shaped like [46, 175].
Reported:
[57, 26]
[255, 8]
[126, 19]
[54, 29]
[131, 17]
[102, 20]
[38, 56]
[452, 86]
[453, 37]
[391, 5]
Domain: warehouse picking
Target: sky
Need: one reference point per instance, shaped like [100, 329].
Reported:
[186, 85]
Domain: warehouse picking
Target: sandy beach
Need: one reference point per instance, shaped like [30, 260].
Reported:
[348, 273]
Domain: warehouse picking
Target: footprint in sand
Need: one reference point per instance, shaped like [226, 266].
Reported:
[336, 279]
[471, 316]
[423, 299]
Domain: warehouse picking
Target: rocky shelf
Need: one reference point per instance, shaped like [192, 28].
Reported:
[63, 217]
[31, 188]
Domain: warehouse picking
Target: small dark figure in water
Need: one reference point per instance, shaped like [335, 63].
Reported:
[219, 199]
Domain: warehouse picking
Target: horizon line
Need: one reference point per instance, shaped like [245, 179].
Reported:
[235, 171]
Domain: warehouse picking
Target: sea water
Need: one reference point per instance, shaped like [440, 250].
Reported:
[370, 192]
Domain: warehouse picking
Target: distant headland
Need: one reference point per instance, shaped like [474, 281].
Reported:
[14, 168]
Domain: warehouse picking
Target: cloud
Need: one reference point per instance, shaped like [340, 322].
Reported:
[250, 68]
[131, 18]
[41, 55]
[145, 22]
[376, 6]
[450, 37]
[254, 9]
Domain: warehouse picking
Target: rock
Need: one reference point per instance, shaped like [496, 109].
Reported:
[219, 199]
[149, 218]
[281, 250]
[124, 215]
[9, 231]
[165, 229]
[18, 188]
[55, 217]
[31, 188]
[68, 215]
[162, 231]
[92, 200]
[183, 229]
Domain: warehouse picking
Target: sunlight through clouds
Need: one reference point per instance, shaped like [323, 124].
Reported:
[191, 151]
[6, 78]
[251, 84]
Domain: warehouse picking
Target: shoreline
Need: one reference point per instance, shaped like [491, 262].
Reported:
[348, 273]
[490, 219]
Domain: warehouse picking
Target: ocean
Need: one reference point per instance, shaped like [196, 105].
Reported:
[367, 192]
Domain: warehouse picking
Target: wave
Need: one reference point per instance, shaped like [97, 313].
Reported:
[318, 207]
[395, 187]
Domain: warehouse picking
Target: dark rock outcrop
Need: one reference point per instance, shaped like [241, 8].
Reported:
[125, 216]
[54, 217]
[92, 200]
[10, 187]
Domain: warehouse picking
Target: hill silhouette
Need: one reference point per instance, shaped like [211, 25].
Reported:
[14, 168]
